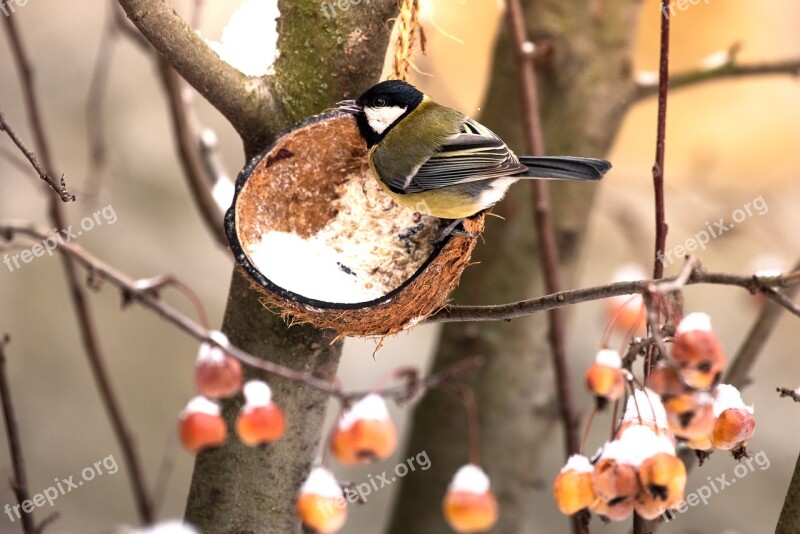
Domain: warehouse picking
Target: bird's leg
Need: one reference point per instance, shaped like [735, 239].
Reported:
[451, 229]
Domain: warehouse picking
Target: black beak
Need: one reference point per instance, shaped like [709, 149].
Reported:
[349, 106]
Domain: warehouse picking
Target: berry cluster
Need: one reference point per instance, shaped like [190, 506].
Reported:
[364, 433]
[701, 413]
[217, 376]
[638, 470]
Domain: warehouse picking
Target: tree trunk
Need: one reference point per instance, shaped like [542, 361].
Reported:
[237, 489]
[583, 93]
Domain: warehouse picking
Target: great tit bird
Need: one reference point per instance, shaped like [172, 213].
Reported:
[435, 160]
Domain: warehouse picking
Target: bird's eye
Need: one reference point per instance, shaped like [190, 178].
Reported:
[380, 102]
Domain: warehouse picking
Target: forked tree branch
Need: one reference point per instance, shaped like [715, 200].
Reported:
[248, 103]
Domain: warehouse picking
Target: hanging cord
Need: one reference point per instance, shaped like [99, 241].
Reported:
[407, 31]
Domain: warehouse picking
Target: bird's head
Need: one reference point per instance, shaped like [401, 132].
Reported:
[381, 107]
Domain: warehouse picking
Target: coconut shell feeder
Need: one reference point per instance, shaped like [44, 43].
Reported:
[322, 242]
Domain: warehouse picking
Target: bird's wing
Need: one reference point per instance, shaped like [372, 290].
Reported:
[473, 154]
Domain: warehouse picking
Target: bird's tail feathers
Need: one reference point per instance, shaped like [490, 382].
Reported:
[564, 167]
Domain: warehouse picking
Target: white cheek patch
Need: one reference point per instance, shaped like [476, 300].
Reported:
[381, 118]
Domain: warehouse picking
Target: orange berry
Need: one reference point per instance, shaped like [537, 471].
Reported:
[606, 378]
[320, 504]
[735, 423]
[201, 426]
[697, 351]
[364, 432]
[690, 415]
[572, 488]
[260, 421]
[732, 428]
[663, 481]
[216, 374]
[469, 504]
[614, 482]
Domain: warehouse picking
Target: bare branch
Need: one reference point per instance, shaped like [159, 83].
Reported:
[514, 310]
[19, 484]
[661, 136]
[195, 170]
[545, 230]
[59, 186]
[791, 393]
[729, 68]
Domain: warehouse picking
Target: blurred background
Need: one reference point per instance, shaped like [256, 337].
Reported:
[729, 143]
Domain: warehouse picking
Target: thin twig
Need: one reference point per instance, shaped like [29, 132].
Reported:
[545, 230]
[728, 69]
[77, 292]
[59, 186]
[791, 393]
[544, 221]
[185, 130]
[782, 300]
[661, 136]
[19, 484]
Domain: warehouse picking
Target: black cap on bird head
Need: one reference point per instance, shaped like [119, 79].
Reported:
[382, 106]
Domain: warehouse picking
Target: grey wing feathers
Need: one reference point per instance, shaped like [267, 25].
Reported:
[472, 155]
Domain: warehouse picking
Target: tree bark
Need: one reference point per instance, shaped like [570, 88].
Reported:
[583, 94]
